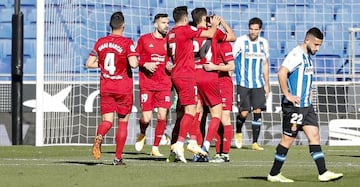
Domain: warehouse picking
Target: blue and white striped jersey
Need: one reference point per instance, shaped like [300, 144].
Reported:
[249, 57]
[299, 82]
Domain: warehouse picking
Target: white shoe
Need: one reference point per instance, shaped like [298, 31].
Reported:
[179, 151]
[155, 152]
[238, 140]
[195, 148]
[278, 178]
[330, 176]
[140, 141]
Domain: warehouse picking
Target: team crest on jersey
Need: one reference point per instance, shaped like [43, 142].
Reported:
[132, 48]
[308, 70]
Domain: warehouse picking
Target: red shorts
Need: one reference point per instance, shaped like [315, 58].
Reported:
[155, 99]
[227, 92]
[208, 87]
[116, 102]
[186, 90]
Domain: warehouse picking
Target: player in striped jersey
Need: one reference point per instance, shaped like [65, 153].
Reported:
[295, 79]
[251, 53]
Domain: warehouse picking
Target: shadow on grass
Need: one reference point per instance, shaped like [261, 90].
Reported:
[262, 178]
[90, 163]
[350, 156]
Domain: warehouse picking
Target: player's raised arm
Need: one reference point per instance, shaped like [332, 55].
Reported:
[211, 31]
[230, 35]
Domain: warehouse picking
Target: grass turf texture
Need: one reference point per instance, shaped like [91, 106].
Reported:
[74, 166]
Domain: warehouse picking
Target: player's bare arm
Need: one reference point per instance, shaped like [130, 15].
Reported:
[283, 77]
[133, 61]
[211, 31]
[92, 62]
[221, 67]
[230, 35]
[151, 66]
[266, 76]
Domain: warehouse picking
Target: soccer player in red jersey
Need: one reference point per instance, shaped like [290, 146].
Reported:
[155, 83]
[115, 55]
[208, 81]
[180, 49]
[225, 61]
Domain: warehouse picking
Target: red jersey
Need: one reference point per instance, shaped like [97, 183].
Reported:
[224, 55]
[205, 48]
[112, 52]
[180, 49]
[152, 49]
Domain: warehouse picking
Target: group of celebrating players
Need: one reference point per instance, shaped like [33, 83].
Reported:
[197, 60]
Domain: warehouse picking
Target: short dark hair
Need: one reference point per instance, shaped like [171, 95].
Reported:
[316, 32]
[160, 15]
[197, 14]
[116, 20]
[179, 12]
[255, 20]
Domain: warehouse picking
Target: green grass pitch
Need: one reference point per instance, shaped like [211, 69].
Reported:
[74, 166]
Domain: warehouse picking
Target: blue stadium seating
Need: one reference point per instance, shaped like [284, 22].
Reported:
[5, 31]
[30, 31]
[30, 66]
[6, 15]
[5, 65]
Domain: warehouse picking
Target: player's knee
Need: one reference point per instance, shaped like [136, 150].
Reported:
[257, 116]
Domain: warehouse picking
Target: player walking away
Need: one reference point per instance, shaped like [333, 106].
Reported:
[226, 65]
[155, 82]
[180, 49]
[115, 55]
[251, 54]
[295, 79]
[208, 87]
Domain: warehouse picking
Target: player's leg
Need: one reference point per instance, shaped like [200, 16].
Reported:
[243, 102]
[123, 109]
[194, 132]
[186, 91]
[289, 134]
[163, 103]
[227, 135]
[108, 106]
[147, 105]
[120, 138]
[258, 101]
[312, 133]
[159, 131]
[215, 112]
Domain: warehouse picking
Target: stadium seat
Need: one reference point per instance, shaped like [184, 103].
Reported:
[327, 63]
[146, 28]
[29, 48]
[5, 65]
[30, 66]
[232, 15]
[30, 31]
[30, 17]
[6, 15]
[28, 3]
[55, 31]
[5, 31]
[343, 15]
[263, 13]
[5, 49]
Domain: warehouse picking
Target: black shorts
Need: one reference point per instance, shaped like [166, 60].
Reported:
[294, 118]
[250, 98]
